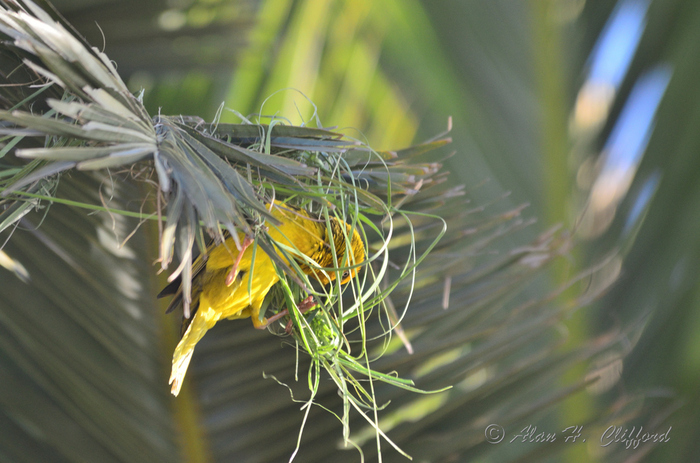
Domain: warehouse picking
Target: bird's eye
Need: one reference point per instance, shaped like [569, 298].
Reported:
[346, 275]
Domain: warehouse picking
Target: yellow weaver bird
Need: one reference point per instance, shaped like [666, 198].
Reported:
[221, 277]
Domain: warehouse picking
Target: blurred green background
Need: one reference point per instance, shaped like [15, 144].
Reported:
[586, 110]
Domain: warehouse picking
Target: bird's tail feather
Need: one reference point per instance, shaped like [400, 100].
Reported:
[177, 376]
[202, 322]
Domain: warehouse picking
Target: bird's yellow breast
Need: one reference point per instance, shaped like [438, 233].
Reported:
[297, 231]
[247, 290]
[244, 296]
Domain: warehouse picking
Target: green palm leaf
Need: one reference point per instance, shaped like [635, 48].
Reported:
[87, 353]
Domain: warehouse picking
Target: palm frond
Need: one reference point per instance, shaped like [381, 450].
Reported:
[437, 306]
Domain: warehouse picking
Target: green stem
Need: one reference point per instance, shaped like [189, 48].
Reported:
[552, 94]
[94, 207]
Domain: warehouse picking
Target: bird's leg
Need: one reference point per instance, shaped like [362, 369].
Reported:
[231, 277]
[303, 307]
[274, 318]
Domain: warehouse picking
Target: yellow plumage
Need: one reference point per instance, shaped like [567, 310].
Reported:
[215, 300]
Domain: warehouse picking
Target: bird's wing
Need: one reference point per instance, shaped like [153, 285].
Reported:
[175, 287]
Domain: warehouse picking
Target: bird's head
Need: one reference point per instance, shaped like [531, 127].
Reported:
[340, 231]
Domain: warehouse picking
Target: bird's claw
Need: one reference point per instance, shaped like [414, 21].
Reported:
[231, 277]
[303, 306]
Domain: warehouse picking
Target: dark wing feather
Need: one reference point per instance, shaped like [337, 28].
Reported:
[172, 288]
[175, 287]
